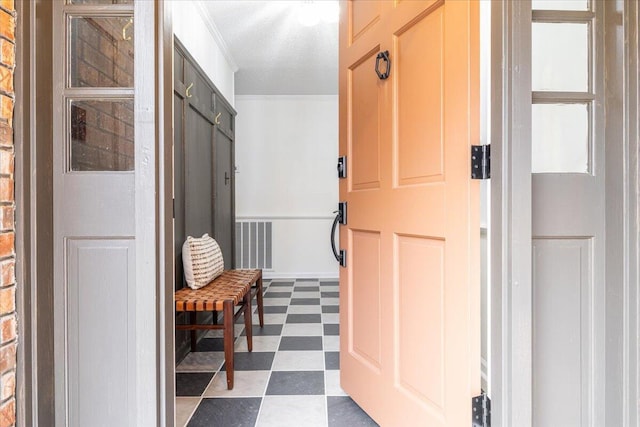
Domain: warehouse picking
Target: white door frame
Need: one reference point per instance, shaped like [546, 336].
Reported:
[511, 287]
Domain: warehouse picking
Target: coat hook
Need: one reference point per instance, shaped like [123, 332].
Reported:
[187, 91]
[125, 28]
[217, 119]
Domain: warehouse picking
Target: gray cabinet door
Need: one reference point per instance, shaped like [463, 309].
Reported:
[224, 183]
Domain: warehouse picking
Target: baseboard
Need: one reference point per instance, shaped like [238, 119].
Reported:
[277, 275]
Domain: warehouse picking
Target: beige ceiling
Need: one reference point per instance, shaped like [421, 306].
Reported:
[274, 52]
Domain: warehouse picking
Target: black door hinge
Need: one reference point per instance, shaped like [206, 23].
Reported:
[342, 167]
[481, 411]
[480, 161]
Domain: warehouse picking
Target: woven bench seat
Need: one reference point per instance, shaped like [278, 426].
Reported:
[232, 288]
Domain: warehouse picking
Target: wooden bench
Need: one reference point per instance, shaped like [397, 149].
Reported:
[232, 288]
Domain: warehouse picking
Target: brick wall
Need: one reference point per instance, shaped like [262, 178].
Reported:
[8, 318]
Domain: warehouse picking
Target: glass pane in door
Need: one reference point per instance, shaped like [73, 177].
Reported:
[560, 138]
[560, 57]
[101, 51]
[101, 135]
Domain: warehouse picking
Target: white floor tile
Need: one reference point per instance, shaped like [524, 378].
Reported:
[245, 384]
[333, 318]
[305, 295]
[332, 384]
[298, 361]
[331, 343]
[201, 361]
[185, 406]
[293, 411]
[304, 309]
[276, 301]
[263, 343]
[302, 329]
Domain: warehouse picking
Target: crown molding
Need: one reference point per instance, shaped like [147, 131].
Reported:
[215, 33]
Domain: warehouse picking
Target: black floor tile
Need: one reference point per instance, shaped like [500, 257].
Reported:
[300, 343]
[306, 280]
[344, 412]
[192, 383]
[272, 294]
[331, 329]
[331, 309]
[304, 318]
[296, 383]
[281, 284]
[329, 283]
[305, 301]
[307, 288]
[330, 294]
[266, 330]
[254, 361]
[235, 412]
[332, 360]
[210, 344]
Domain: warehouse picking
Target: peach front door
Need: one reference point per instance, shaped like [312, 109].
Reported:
[410, 293]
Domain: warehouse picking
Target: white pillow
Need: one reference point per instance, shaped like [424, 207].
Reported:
[202, 261]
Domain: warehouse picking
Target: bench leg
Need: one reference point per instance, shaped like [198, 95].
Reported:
[260, 304]
[194, 333]
[228, 341]
[247, 320]
[215, 317]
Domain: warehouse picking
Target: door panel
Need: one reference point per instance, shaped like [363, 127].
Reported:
[101, 281]
[365, 332]
[363, 14]
[410, 342]
[365, 115]
[563, 274]
[198, 174]
[420, 311]
[419, 146]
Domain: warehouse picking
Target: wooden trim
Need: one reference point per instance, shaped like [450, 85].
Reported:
[26, 388]
[511, 312]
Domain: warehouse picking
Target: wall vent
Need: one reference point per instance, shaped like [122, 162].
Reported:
[254, 244]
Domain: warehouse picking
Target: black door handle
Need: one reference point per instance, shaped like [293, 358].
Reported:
[341, 218]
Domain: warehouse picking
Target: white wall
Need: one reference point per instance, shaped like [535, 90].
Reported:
[286, 154]
[196, 31]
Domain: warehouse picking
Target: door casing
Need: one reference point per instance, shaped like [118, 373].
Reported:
[510, 210]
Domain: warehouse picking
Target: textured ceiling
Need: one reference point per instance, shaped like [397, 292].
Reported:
[274, 52]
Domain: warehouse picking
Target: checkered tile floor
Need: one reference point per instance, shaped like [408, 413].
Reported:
[291, 378]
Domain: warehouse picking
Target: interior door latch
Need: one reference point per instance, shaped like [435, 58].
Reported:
[342, 167]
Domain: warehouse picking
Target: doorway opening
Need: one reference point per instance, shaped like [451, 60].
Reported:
[286, 188]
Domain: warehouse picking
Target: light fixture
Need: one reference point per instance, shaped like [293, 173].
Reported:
[311, 12]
